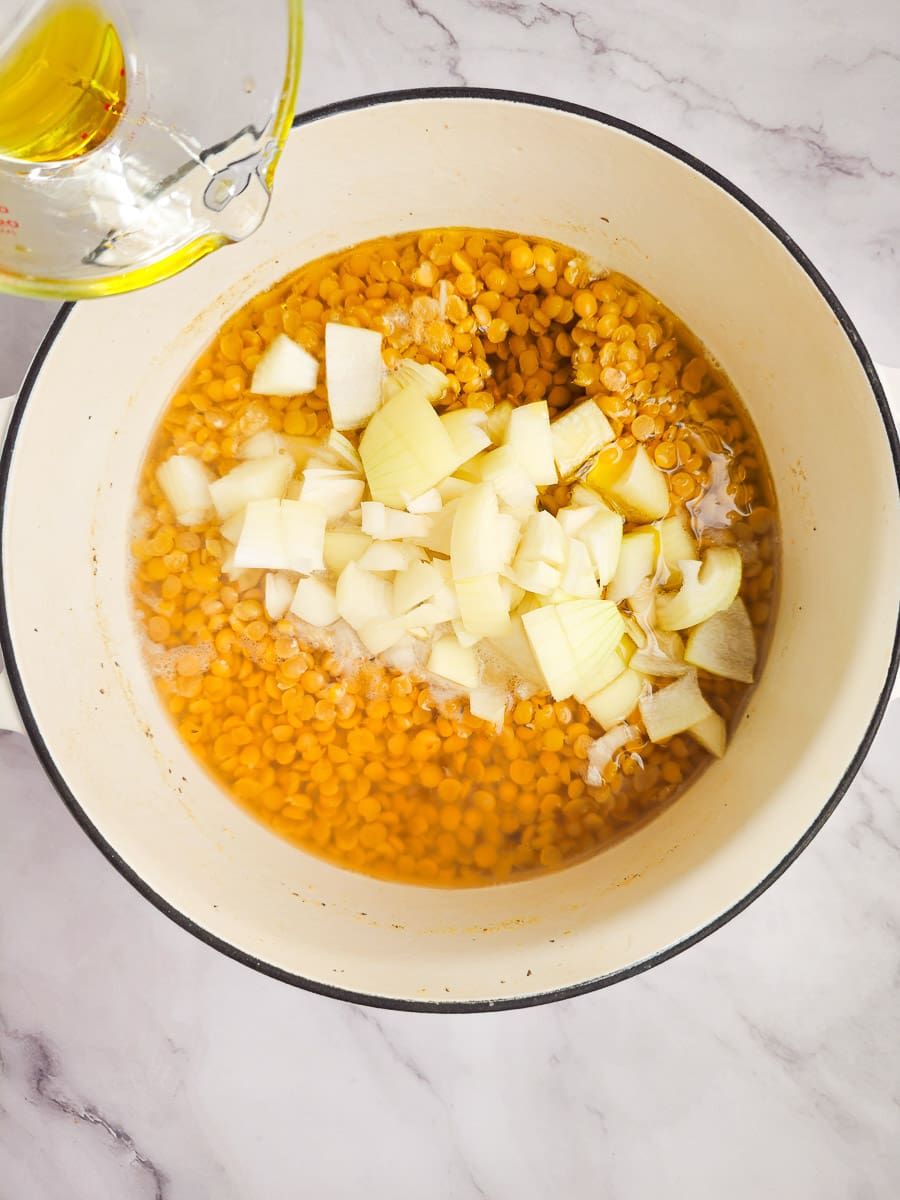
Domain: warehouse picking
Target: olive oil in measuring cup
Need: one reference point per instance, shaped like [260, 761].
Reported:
[131, 143]
[62, 83]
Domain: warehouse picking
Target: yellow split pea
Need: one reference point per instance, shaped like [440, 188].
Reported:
[366, 768]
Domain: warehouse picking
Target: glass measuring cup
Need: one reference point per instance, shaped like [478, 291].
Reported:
[136, 135]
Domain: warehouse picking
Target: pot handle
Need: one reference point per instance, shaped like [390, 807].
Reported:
[890, 381]
[10, 720]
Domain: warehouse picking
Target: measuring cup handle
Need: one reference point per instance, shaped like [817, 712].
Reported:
[10, 720]
[890, 381]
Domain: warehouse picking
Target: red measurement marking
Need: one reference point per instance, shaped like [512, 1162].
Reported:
[3, 208]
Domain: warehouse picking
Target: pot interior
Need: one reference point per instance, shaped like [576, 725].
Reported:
[469, 161]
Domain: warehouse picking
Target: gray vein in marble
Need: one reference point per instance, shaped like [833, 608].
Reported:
[829, 60]
[802, 1072]
[370, 1018]
[41, 1085]
[691, 94]
[867, 818]
[454, 54]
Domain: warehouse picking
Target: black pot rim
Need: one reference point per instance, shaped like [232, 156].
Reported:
[527, 1000]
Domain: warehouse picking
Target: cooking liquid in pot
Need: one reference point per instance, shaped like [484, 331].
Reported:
[381, 771]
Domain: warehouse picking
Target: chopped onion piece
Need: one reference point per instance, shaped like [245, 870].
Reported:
[261, 543]
[231, 529]
[284, 369]
[303, 450]
[362, 596]
[263, 445]
[677, 543]
[706, 589]
[537, 577]
[353, 372]
[424, 377]
[256, 479]
[572, 641]
[515, 651]
[442, 566]
[245, 580]
[452, 488]
[452, 661]
[429, 502]
[724, 644]
[440, 531]
[506, 530]
[711, 732]
[405, 449]
[281, 535]
[463, 636]
[618, 700]
[185, 482]
[389, 524]
[658, 665]
[543, 540]
[466, 429]
[303, 530]
[603, 751]
[388, 556]
[578, 577]
[574, 517]
[342, 546]
[593, 629]
[381, 634]
[583, 496]
[611, 668]
[418, 583]
[279, 592]
[497, 421]
[338, 492]
[662, 656]
[344, 452]
[483, 605]
[635, 631]
[482, 539]
[443, 606]
[314, 602]
[602, 535]
[577, 435]
[551, 650]
[637, 563]
[643, 608]
[508, 477]
[636, 487]
[488, 704]
[513, 593]
[528, 436]
[674, 708]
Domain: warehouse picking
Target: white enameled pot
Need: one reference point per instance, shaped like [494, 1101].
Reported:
[82, 424]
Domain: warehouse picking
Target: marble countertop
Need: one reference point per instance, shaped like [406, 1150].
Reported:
[137, 1063]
